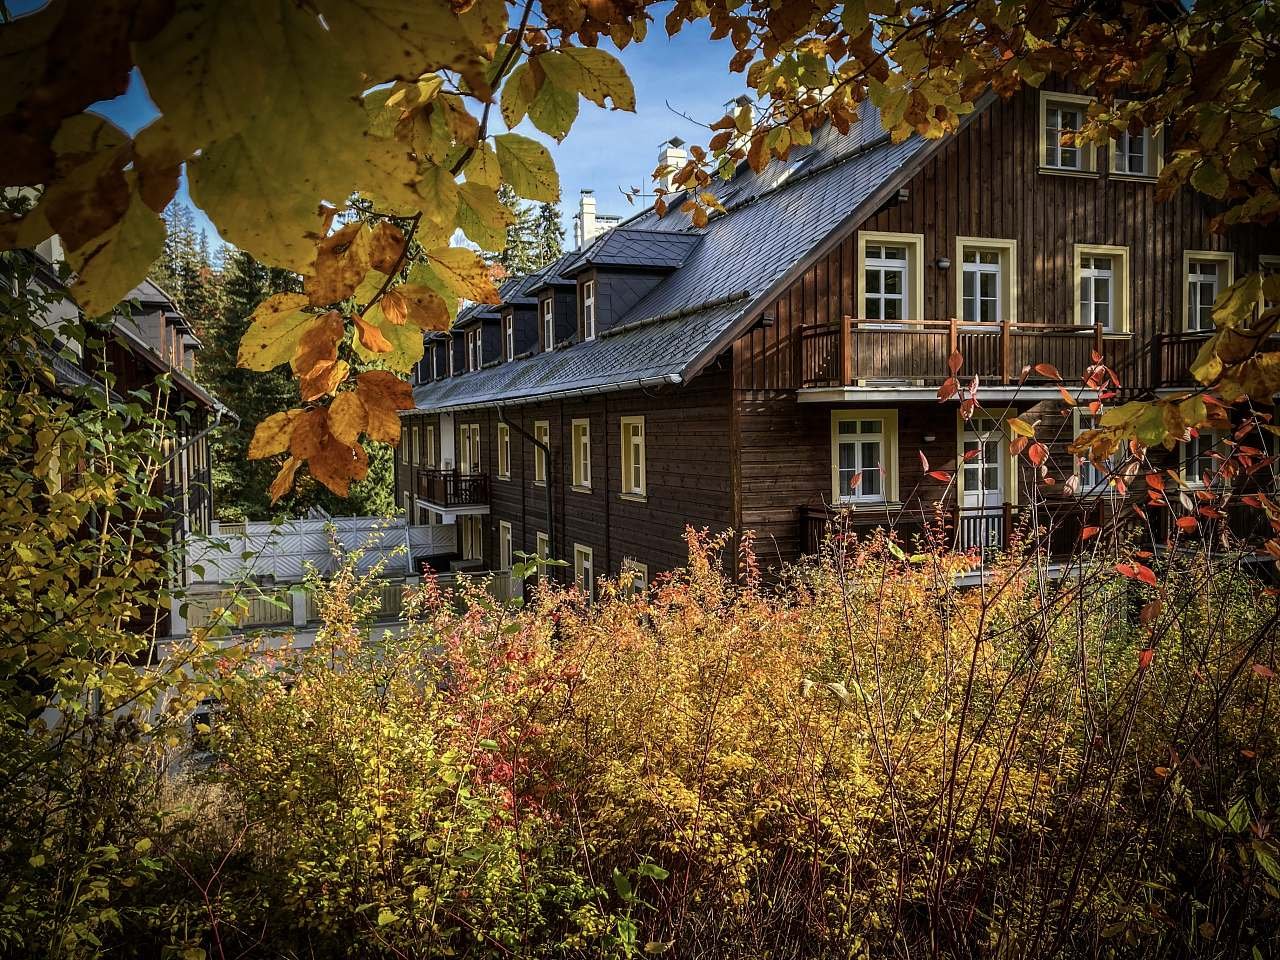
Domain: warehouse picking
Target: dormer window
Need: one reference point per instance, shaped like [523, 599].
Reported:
[548, 324]
[508, 337]
[450, 352]
[435, 361]
[474, 356]
[589, 310]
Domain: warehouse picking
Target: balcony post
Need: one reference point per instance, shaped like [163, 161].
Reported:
[798, 356]
[953, 336]
[1007, 523]
[1004, 351]
[846, 351]
[1097, 338]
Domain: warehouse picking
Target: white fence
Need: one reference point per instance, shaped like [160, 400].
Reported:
[285, 552]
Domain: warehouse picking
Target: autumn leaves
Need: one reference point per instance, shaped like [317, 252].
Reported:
[354, 267]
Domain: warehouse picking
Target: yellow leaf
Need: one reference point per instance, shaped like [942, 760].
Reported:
[464, 273]
[386, 244]
[114, 262]
[527, 167]
[595, 73]
[1021, 427]
[341, 261]
[406, 342]
[272, 435]
[439, 194]
[483, 217]
[276, 327]
[347, 417]
[283, 482]
[423, 307]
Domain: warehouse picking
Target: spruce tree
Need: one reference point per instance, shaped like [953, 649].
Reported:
[548, 234]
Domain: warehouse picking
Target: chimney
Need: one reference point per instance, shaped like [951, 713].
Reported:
[671, 158]
[584, 224]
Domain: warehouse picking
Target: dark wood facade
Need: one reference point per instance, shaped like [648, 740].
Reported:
[747, 444]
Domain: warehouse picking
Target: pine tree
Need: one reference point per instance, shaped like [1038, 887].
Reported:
[518, 256]
[548, 234]
[186, 269]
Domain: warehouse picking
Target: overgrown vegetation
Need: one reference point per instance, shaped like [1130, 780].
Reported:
[865, 760]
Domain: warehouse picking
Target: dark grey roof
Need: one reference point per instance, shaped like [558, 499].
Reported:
[627, 246]
[772, 221]
[553, 274]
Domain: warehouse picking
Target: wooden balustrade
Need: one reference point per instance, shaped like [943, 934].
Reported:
[453, 488]
[970, 528]
[858, 351]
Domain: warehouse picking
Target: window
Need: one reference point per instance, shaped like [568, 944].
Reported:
[471, 531]
[635, 577]
[504, 545]
[541, 433]
[449, 351]
[588, 310]
[474, 344]
[1094, 479]
[583, 572]
[987, 290]
[429, 446]
[582, 454]
[633, 457]
[504, 452]
[1208, 273]
[508, 337]
[1062, 115]
[1102, 287]
[548, 324]
[469, 447]
[542, 549]
[435, 361]
[415, 446]
[984, 455]
[863, 456]
[1202, 458]
[890, 281]
[1137, 154]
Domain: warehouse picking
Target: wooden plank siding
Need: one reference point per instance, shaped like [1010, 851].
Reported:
[687, 472]
[984, 182]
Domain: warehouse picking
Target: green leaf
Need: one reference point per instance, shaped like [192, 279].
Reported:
[386, 916]
[1209, 179]
[553, 110]
[597, 74]
[518, 92]
[1267, 860]
[622, 885]
[274, 331]
[527, 167]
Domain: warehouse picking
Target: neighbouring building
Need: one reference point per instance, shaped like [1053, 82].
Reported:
[783, 362]
[588, 223]
[147, 345]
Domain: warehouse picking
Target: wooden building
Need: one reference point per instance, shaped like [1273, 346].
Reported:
[783, 362]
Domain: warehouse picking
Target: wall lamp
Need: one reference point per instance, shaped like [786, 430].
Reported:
[943, 263]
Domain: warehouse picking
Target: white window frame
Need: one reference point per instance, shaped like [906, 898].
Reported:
[584, 570]
[1120, 282]
[1051, 156]
[1191, 313]
[471, 537]
[504, 452]
[429, 441]
[541, 463]
[504, 545]
[435, 361]
[449, 355]
[580, 431]
[469, 454]
[1198, 448]
[634, 576]
[547, 311]
[1005, 270]
[913, 286]
[1008, 464]
[1268, 264]
[508, 337]
[588, 310]
[1152, 154]
[886, 437]
[635, 481]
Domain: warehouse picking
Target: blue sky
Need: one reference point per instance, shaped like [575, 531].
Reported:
[606, 150]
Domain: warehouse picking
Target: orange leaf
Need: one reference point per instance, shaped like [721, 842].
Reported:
[948, 389]
[372, 337]
[1188, 523]
[319, 344]
[272, 435]
[955, 362]
[1137, 571]
[385, 245]
[1262, 670]
[1037, 453]
[1145, 657]
[383, 394]
[1067, 398]
[336, 464]
[1088, 532]
[283, 482]
[342, 260]
[1048, 370]
[347, 417]
[309, 434]
[324, 377]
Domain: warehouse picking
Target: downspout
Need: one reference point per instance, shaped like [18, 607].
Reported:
[546, 453]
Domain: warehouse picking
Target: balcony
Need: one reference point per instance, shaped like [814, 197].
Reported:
[858, 353]
[453, 491]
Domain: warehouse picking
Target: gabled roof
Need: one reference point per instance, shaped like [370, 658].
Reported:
[634, 247]
[774, 223]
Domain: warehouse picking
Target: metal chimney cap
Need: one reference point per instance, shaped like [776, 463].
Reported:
[675, 142]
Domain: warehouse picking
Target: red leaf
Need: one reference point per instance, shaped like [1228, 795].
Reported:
[1088, 532]
[854, 481]
[1262, 670]
[955, 362]
[924, 461]
[1150, 611]
[971, 454]
[1145, 657]
[1037, 453]
[941, 475]
[1188, 523]
[1048, 370]
[948, 389]
[1097, 357]
[1137, 571]
[1155, 481]
[1017, 444]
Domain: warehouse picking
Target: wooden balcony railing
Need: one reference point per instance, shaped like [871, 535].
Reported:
[1172, 356]
[453, 488]
[858, 351]
[967, 528]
